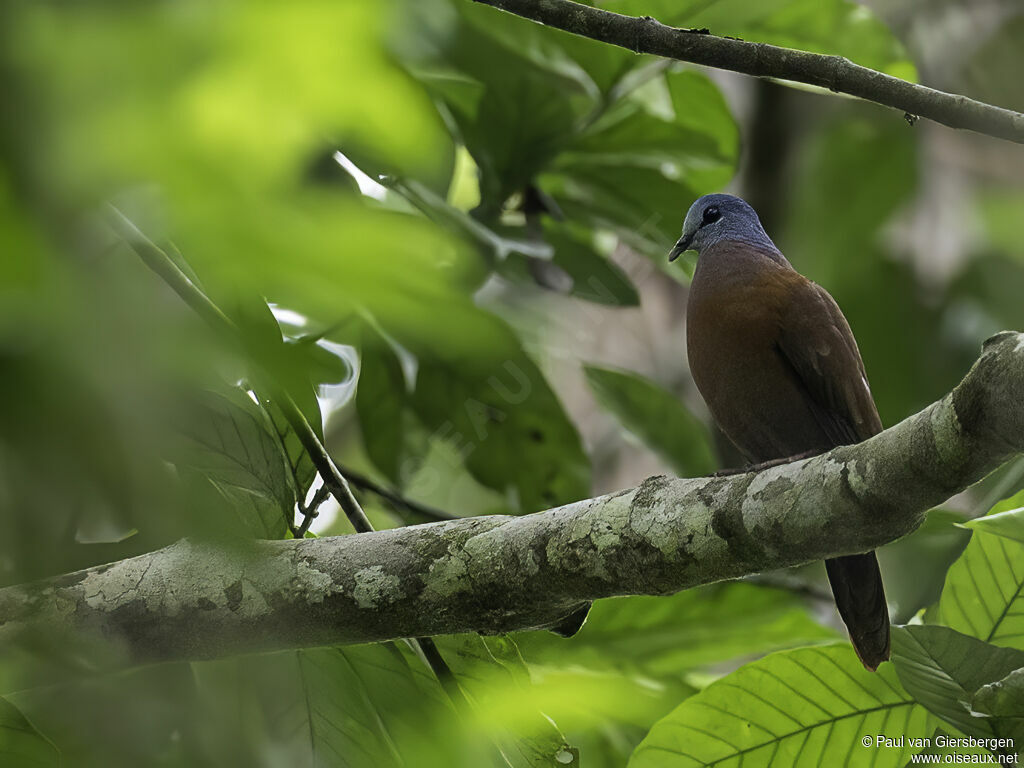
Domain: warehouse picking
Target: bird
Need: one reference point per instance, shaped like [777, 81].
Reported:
[778, 366]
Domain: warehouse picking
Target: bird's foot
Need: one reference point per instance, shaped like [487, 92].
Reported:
[765, 464]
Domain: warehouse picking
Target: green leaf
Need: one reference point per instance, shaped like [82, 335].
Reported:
[504, 421]
[287, 363]
[123, 719]
[1005, 518]
[254, 513]
[984, 591]
[592, 64]
[300, 464]
[837, 27]
[20, 743]
[656, 417]
[595, 277]
[915, 566]
[357, 706]
[808, 706]
[497, 681]
[531, 95]
[266, 63]
[534, 104]
[293, 366]
[636, 168]
[438, 210]
[383, 405]
[1003, 700]
[1009, 524]
[327, 365]
[666, 636]
[943, 670]
[585, 700]
[228, 438]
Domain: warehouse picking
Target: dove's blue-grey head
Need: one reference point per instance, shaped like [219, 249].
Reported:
[716, 218]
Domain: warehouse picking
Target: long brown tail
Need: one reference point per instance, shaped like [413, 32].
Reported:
[860, 598]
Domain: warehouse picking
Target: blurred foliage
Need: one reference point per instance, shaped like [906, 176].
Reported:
[364, 190]
[656, 418]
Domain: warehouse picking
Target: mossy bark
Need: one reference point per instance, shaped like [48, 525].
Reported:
[197, 600]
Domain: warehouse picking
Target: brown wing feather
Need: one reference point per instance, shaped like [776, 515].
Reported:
[817, 342]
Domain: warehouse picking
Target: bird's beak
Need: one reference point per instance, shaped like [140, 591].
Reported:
[680, 247]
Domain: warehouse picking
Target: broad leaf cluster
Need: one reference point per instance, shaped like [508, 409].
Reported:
[390, 210]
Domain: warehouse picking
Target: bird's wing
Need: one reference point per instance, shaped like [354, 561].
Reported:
[817, 342]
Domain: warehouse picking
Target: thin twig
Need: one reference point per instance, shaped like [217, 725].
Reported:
[838, 74]
[396, 500]
[432, 656]
[321, 495]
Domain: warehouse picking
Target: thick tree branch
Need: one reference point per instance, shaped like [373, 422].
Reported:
[646, 35]
[196, 600]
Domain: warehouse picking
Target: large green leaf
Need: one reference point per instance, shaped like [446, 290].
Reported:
[666, 636]
[143, 716]
[356, 706]
[638, 167]
[1009, 524]
[294, 367]
[492, 410]
[595, 277]
[984, 591]
[656, 417]
[1003, 700]
[229, 439]
[265, 62]
[533, 104]
[1004, 519]
[504, 421]
[383, 405]
[596, 67]
[626, 667]
[496, 679]
[438, 210]
[915, 566]
[20, 743]
[580, 270]
[811, 706]
[528, 98]
[943, 670]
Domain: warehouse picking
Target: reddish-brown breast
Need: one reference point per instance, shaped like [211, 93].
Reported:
[773, 357]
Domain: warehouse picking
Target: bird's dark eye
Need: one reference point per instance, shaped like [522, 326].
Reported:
[711, 215]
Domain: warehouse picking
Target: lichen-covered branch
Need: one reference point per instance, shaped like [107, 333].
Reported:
[197, 600]
[646, 35]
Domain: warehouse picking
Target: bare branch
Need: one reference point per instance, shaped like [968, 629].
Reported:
[646, 35]
[196, 600]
